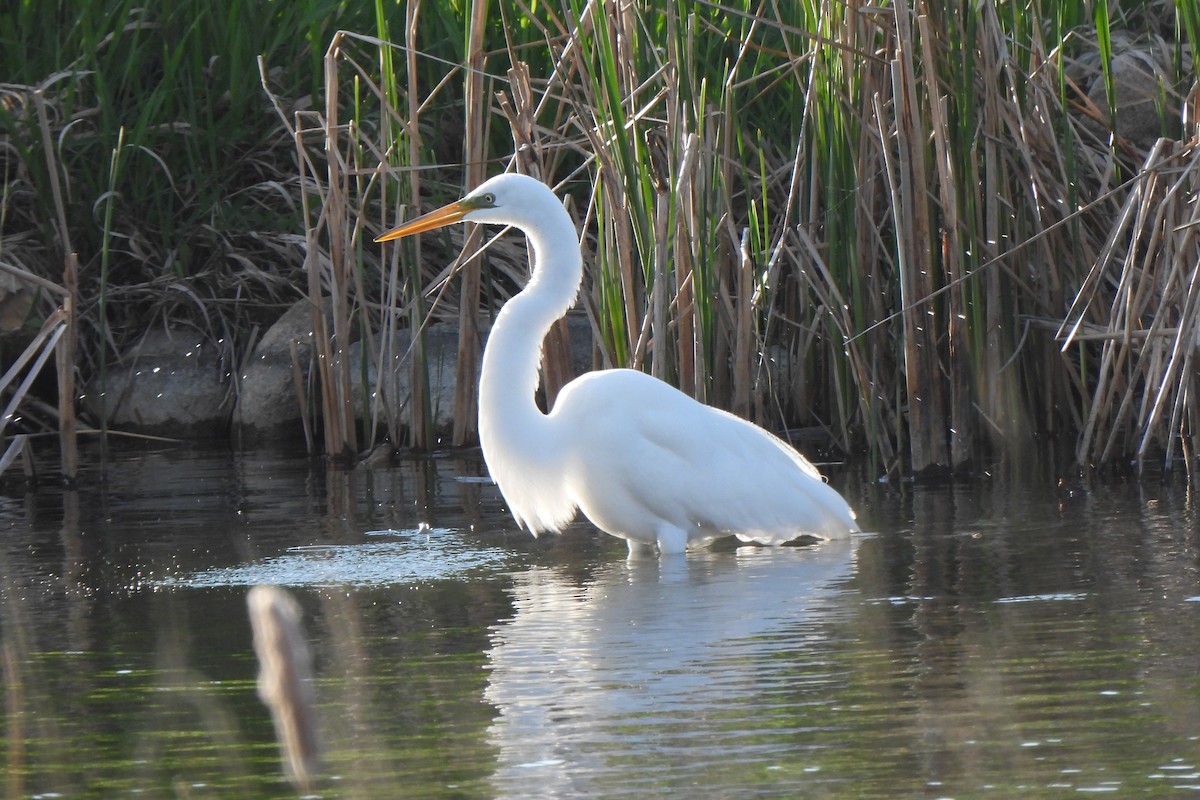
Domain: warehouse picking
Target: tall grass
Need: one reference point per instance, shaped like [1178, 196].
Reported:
[192, 228]
[862, 223]
[914, 231]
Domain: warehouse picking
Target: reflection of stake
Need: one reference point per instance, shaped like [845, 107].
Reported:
[285, 679]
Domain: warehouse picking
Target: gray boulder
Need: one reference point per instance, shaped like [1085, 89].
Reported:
[172, 383]
[390, 399]
[268, 405]
[1139, 97]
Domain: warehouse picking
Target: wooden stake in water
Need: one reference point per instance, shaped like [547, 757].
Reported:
[285, 679]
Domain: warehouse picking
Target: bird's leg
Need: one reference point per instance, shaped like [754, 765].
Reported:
[639, 550]
[671, 540]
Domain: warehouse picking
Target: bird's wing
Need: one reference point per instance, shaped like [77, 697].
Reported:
[742, 480]
[693, 466]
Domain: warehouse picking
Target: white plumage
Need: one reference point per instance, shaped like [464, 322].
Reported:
[640, 459]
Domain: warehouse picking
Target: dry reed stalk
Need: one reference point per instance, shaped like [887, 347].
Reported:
[863, 368]
[341, 438]
[421, 432]
[1179, 379]
[314, 260]
[723, 257]
[321, 348]
[1146, 375]
[690, 349]
[927, 404]
[46, 342]
[682, 159]
[958, 362]
[999, 393]
[302, 396]
[65, 362]
[872, 349]
[378, 342]
[66, 336]
[38, 351]
[475, 135]
[660, 177]
[1112, 353]
[907, 178]
[343, 187]
[744, 340]
[17, 448]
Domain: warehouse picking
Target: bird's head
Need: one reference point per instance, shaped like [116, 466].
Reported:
[509, 199]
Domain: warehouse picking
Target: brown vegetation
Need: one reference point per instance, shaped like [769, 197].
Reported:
[931, 235]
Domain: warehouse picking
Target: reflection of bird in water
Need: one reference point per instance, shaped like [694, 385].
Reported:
[642, 460]
[682, 667]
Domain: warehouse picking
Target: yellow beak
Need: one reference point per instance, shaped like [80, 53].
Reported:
[445, 215]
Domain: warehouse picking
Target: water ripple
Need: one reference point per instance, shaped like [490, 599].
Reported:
[392, 557]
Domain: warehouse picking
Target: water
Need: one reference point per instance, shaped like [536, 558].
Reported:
[995, 639]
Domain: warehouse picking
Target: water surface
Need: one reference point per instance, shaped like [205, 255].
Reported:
[996, 638]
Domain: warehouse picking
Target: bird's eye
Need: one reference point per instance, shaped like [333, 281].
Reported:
[488, 199]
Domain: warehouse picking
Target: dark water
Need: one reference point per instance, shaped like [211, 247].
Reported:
[1000, 638]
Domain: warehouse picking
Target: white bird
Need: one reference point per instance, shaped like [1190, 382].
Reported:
[640, 459]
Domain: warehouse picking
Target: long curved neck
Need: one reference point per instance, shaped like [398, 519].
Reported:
[509, 380]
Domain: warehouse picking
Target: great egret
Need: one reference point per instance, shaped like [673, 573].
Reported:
[640, 459]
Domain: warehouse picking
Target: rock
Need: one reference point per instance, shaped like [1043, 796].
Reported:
[175, 384]
[441, 356]
[268, 407]
[16, 303]
[393, 405]
[172, 383]
[1139, 95]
